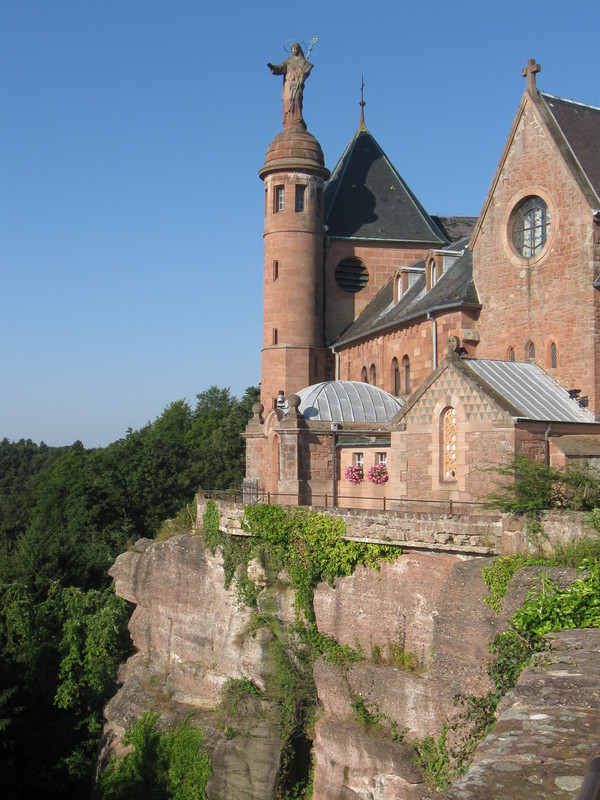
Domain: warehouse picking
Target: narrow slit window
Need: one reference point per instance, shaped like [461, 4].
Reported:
[406, 370]
[373, 372]
[275, 270]
[553, 356]
[275, 335]
[396, 376]
[363, 375]
[511, 353]
[531, 351]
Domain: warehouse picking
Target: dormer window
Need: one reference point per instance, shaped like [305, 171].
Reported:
[432, 274]
[397, 287]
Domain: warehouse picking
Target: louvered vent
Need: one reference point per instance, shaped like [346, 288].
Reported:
[351, 275]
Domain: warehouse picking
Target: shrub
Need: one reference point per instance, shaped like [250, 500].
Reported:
[171, 765]
[536, 486]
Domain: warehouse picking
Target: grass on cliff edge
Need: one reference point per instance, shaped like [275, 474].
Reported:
[308, 545]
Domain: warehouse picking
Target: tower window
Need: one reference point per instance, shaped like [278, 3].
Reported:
[531, 351]
[275, 336]
[511, 353]
[275, 270]
[319, 202]
[363, 375]
[373, 372]
[279, 199]
[553, 356]
[300, 194]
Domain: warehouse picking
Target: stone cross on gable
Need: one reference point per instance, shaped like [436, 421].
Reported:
[530, 72]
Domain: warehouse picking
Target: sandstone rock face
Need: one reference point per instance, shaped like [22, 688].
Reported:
[548, 728]
[423, 630]
[424, 607]
[433, 606]
[191, 637]
[187, 626]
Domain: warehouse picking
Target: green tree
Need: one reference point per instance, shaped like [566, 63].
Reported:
[65, 514]
[172, 765]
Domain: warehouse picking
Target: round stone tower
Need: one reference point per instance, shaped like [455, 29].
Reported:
[293, 353]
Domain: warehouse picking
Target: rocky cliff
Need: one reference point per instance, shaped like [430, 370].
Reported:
[422, 628]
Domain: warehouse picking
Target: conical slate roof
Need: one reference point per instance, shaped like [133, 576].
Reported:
[367, 199]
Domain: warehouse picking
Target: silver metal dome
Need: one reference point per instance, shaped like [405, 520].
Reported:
[347, 401]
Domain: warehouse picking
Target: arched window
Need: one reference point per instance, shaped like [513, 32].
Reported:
[511, 353]
[363, 375]
[406, 371]
[553, 355]
[531, 350]
[396, 376]
[373, 372]
[449, 436]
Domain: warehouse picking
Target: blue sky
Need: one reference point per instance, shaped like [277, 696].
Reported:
[131, 134]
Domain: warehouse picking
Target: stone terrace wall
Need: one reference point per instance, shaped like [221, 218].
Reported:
[476, 533]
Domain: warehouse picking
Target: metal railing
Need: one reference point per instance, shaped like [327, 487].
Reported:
[239, 494]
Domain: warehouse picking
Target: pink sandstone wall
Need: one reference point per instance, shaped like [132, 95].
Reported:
[549, 298]
[342, 307]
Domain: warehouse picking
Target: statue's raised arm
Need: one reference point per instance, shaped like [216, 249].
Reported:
[295, 71]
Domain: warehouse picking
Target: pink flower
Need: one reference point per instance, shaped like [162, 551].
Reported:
[377, 474]
[354, 473]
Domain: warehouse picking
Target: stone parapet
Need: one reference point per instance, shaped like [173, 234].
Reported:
[480, 532]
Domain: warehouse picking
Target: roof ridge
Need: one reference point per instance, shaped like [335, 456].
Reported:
[573, 102]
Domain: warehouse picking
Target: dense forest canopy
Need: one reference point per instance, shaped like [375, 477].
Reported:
[65, 514]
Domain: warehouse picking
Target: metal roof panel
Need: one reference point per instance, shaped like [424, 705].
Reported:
[530, 390]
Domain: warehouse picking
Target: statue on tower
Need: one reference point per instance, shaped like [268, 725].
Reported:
[295, 71]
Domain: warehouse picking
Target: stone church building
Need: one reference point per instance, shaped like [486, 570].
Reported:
[405, 354]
